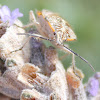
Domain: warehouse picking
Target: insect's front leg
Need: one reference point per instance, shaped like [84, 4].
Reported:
[32, 20]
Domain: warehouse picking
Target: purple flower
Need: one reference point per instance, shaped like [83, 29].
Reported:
[93, 86]
[7, 15]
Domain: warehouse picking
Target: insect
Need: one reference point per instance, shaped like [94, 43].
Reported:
[54, 28]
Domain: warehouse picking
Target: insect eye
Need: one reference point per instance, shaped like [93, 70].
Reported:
[54, 33]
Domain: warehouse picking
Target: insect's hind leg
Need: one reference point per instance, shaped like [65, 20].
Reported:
[73, 63]
[65, 55]
[73, 66]
[64, 48]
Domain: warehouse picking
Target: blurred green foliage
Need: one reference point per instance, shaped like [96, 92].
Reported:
[83, 16]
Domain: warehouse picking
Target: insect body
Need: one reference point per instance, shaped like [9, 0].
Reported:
[55, 29]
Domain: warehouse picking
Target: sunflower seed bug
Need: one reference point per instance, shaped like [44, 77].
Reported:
[55, 29]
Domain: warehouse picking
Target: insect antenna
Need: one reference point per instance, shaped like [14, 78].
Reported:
[35, 35]
[80, 57]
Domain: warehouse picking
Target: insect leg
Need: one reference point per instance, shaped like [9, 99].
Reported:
[65, 55]
[62, 57]
[73, 66]
[73, 62]
[35, 35]
[32, 20]
[22, 46]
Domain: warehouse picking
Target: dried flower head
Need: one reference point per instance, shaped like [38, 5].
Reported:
[7, 15]
[75, 85]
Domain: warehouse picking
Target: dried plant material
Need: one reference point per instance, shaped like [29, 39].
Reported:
[54, 70]
[3, 97]
[29, 68]
[10, 85]
[31, 77]
[10, 42]
[50, 84]
[3, 27]
[74, 80]
[57, 81]
[12, 61]
[37, 54]
[51, 58]
[32, 95]
[28, 72]
[13, 82]
[76, 88]
[2, 67]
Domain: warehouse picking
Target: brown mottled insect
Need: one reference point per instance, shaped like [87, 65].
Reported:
[55, 29]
